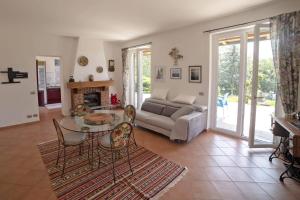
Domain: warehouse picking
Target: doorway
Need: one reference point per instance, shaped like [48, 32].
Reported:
[140, 76]
[48, 82]
[244, 90]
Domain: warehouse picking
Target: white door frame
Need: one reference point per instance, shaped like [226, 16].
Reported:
[214, 85]
[251, 139]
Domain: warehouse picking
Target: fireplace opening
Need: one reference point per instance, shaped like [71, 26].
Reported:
[92, 99]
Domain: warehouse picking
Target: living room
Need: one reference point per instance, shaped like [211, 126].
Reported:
[201, 128]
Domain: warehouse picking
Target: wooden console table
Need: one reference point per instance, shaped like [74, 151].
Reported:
[286, 124]
[294, 134]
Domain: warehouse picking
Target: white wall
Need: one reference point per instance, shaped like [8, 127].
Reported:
[194, 46]
[99, 52]
[112, 52]
[93, 49]
[18, 49]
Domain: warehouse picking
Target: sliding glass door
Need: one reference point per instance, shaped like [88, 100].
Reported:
[243, 84]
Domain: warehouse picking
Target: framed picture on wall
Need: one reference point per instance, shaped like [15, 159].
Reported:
[175, 73]
[195, 74]
[159, 73]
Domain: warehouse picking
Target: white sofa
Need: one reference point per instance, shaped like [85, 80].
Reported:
[156, 115]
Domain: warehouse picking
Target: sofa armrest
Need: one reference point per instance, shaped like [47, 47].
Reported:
[189, 126]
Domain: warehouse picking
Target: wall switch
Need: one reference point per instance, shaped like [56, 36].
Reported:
[35, 115]
[29, 116]
[201, 93]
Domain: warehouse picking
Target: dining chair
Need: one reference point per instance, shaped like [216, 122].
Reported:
[130, 113]
[292, 169]
[68, 140]
[81, 109]
[115, 142]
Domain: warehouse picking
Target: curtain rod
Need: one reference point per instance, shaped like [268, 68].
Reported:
[137, 45]
[245, 23]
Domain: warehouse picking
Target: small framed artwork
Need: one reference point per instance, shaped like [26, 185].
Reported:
[159, 73]
[175, 73]
[111, 65]
[195, 74]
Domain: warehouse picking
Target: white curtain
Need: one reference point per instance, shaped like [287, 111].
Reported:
[128, 77]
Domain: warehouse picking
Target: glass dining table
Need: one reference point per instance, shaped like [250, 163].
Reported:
[83, 124]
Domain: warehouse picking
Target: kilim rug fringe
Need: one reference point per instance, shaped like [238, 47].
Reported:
[171, 185]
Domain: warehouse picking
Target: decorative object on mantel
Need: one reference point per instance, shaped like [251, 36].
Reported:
[71, 79]
[99, 69]
[14, 75]
[195, 74]
[83, 61]
[174, 53]
[91, 77]
[175, 73]
[111, 65]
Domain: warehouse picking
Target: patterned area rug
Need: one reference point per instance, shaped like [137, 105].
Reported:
[152, 175]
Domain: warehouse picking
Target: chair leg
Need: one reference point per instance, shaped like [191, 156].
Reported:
[88, 151]
[113, 161]
[58, 153]
[133, 137]
[64, 165]
[80, 149]
[99, 161]
[129, 160]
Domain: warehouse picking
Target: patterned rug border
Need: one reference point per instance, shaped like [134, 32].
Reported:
[156, 196]
[170, 185]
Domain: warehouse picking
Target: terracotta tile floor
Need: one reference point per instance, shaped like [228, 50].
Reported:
[220, 167]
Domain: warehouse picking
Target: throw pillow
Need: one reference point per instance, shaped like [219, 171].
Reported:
[152, 107]
[186, 99]
[182, 111]
[159, 94]
[168, 111]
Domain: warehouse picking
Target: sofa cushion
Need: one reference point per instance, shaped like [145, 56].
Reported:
[161, 121]
[182, 111]
[144, 115]
[152, 107]
[168, 111]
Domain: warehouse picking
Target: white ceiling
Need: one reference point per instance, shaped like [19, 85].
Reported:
[115, 19]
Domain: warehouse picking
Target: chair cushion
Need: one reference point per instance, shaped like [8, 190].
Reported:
[74, 138]
[105, 141]
[182, 111]
[152, 107]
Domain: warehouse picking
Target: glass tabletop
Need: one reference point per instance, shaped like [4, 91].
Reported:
[81, 124]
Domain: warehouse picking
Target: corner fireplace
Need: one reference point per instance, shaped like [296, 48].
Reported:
[92, 99]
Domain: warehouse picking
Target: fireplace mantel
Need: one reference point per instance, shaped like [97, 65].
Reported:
[89, 84]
